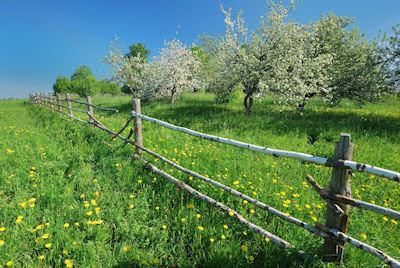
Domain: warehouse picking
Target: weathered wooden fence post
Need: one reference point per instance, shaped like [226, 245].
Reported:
[340, 184]
[68, 104]
[44, 99]
[138, 125]
[51, 102]
[59, 103]
[90, 108]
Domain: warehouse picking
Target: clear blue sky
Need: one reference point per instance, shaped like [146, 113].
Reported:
[40, 40]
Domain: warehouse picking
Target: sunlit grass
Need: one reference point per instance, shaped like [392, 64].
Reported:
[69, 196]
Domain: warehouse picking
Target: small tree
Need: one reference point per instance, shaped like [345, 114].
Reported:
[109, 87]
[85, 87]
[125, 71]
[177, 70]
[82, 73]
[62, 85]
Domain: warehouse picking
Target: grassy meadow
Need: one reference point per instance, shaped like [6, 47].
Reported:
[70, 197]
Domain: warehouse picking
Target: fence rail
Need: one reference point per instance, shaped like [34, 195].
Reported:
[338, 204]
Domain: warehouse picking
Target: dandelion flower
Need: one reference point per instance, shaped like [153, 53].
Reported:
[2, 229]
[66, 225]
[127, 248]
[9, 263]
[164, 226]
[244, 248]
[314, 218]
[363, 236]
[201, 228]
[155, 260]
[251, 258]
[212, 240]
[223, 237]
[198, 216]
[385, 218]
[252, 211]
[144, 261]
[76, 223]
[41, 257]
[230, 213]
[45, 236]
[183, 219]
[1, 242]
[48, 245]
[69, 263]
[267, 239]
[19, 219]
[225, 226]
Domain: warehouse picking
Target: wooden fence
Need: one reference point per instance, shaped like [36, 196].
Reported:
[337, 195]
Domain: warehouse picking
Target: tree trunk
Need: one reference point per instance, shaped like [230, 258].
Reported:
[308, 96]
[248, 103]
[172, 98]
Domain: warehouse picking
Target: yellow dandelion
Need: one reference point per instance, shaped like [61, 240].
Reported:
[1, 242]
[183, 219]
[245, 233]
[363, 236]
[66, 225]
[45, 236]
[223, 237]
[190, 206]
[131, 196]
[74, 242]
[41, 257]
[230, 213]
[48, 245]
[9, 263]
[127, 248]
[212, 240]
[19, 219]
[314, 218]
[393, 221]
[201, 228]
[157, 207]
[245, 201]
[130, 206]
[244, 248]
[307, 206]
[251, 258]
[225, 226]
[155, 260]
[76, 223]
[385, 218]
[2, 229]
[65, 251]
[267, 239]
[164, 226]
[69, 263]
[198, 216]
[144, 261]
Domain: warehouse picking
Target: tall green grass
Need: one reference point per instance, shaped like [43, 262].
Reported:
[137, 218]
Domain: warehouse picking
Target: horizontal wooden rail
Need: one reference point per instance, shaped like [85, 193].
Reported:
[95, 106]
[351, 201]
[395, 176]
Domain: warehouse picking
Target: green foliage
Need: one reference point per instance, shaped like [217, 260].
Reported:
[75, 164]
[85, 87]
[136, 49]
[82, 73]
[62, 85]
[109, 87]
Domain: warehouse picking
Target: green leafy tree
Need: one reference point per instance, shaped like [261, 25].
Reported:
[85, 87]
[109, 87]
[82, 73]
[62, 85]
[138, 49]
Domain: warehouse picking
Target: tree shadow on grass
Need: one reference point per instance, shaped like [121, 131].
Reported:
[327, 124]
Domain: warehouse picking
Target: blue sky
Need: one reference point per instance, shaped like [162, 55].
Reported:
[40, 40]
